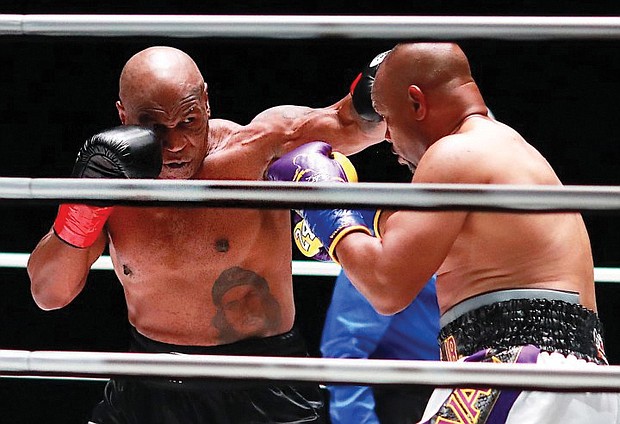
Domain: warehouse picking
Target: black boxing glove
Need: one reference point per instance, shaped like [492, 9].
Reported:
[126, 151]
[361, 90]
[120, 152]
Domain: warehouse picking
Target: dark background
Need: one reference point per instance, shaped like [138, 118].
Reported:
[56, 91]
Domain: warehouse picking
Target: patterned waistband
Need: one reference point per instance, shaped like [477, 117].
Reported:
[552, 325]
[502, 296]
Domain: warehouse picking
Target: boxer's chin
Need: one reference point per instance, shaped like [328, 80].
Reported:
[176, 171]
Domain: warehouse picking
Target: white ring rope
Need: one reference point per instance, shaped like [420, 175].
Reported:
[314, 26]
[300, 268]
[323, 370]
[288, 195]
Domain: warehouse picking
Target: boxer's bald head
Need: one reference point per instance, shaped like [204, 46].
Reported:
[161, 88]
[424, 90]
[156, 71]
[427, 65]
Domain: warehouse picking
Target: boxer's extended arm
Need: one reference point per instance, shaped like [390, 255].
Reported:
[59, 264]
[290, 126]
[358, 132]
[391, 271]
[356, 112]
[283, 128]
[350, 125]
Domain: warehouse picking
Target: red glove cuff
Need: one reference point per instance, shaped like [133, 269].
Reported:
[80, 225]
[354, 83]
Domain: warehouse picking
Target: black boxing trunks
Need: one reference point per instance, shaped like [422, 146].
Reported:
[188, 401]
[521, 326]
[552, 320]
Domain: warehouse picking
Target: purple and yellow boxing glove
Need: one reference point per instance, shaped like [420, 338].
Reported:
[310, 245]
[315, 162]
[307, 242]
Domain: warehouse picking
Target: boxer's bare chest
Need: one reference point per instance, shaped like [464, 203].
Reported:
[168, 239]
[173, 264]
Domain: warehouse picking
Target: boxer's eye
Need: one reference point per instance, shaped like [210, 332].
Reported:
[189, 121]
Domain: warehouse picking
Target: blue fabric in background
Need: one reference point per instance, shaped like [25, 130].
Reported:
[353, 329]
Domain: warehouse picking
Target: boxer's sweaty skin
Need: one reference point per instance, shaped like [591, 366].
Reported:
[178, 265]
[438, 124]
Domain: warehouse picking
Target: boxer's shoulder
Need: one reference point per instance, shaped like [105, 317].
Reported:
[221, 133]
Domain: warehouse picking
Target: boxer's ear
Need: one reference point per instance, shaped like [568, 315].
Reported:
[417, 100]
[121, 112]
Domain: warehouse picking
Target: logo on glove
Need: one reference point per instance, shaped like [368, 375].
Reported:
[313, 175]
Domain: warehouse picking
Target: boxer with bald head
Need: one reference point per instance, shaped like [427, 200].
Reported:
[511, 287]
[178, 266]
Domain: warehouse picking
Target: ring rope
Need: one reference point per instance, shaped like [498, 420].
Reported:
[324, 370]
[300, 268]
[329, 370]
[289, 195]
[54, 377]
[104, 263]
[313, 26]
